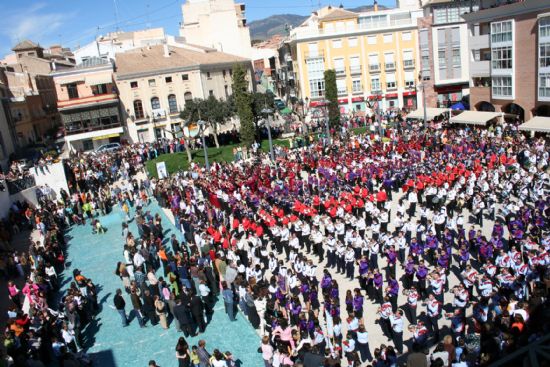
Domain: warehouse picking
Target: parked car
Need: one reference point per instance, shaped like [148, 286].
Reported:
[108, 148]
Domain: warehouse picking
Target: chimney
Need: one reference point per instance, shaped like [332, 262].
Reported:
[375, 6]
[166, 52]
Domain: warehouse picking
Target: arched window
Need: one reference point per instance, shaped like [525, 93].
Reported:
[188, 96]
[172, 103]
[138, 109]
[155, 103]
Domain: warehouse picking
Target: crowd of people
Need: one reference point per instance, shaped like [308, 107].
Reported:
[441, 234]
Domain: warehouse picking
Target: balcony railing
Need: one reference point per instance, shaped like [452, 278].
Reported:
[340, 72]
[407, 64]
[357, 90]
[314, 54]
[374, 68]
[355, 69]
[15, 186]
[80, 128]
[342, 92]
[389, 66]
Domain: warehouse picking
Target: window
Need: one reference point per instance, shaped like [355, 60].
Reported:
[501, 57]
[423, 38]
[187, 96]
[409, 79]
[317, 87]
[501, 32]
[133, 85]
[208, 74]
[211, 93]
[99, 89]
[373, 21]
[315, 68]
[456, 56]
[406, 36]
[226, 91]
[390, 81]
[87, 144]
[388, 38]
[544, 55]
[339, 67]
[72, 90]
[168, 79]
[502, 86]
[544, 85]
[184, 77]
[223, 73]
[354, 65]
[341, 87]
[152, 82]
[172, 103]
[441, 58]
[389, 61]
[408, 58]
[371, 40]
[352, 42]
[544, 27]
[356, 85]
[138, 109]
[336, 43]
[155, 103]
[375, 84]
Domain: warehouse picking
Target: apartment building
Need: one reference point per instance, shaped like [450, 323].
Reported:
[443, 47]
[154, 83]
[88, 103]
[509, 52]
[373, 53]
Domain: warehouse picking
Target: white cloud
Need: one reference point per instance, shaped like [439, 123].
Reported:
[37, 23]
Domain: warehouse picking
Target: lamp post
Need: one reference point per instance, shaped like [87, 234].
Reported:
[378, 97]
[327, 121]
[202, 126]
[267, 111]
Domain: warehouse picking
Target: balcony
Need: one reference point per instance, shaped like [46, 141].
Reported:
[479, 42]
[90, 100]
[355, 69]
[159, 114]
[357, 90]
[80, 127]
[408, 64]
[342, 92]
[340, 72]
[374, 68]
[480, 68]
[389, 66]
[314, 55]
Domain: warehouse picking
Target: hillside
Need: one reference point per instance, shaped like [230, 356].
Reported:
[275, 24]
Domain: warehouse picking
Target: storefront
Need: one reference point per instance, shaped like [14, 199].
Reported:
[409, 101]
[343, 104]
[358, 104]
[449, 95]
[392, 101]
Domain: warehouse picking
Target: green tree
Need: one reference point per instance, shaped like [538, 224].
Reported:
[218, 112]
[243, 102]
[331, 94]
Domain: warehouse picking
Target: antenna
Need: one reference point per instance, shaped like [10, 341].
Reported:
[116, 15]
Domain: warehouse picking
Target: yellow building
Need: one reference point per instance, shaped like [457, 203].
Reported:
[374, 55]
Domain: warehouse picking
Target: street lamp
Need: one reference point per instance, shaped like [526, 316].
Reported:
[267, 111]
[325, 103]
[202, 125]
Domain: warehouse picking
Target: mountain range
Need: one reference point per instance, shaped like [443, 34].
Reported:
[263, 29]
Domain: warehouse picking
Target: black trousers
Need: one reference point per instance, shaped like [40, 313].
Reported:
[398, 341]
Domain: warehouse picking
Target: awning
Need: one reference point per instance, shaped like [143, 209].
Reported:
[537, 123]
[430, 113]
[474, 117]
[99, 79]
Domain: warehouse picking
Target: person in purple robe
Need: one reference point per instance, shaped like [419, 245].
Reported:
[409, 273]
[358, 303]
[378, 282]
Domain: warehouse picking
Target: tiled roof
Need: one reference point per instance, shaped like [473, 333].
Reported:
[338, 13]
[25, 45]
[152, 59]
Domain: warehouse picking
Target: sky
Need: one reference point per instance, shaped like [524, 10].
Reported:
[77, 22]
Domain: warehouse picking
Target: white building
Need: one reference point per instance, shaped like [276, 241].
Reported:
[219, 24]
[105, 47]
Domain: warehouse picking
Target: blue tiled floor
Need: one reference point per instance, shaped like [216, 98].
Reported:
[111, 345]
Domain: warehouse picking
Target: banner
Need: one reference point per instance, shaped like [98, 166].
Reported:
[161, 170]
